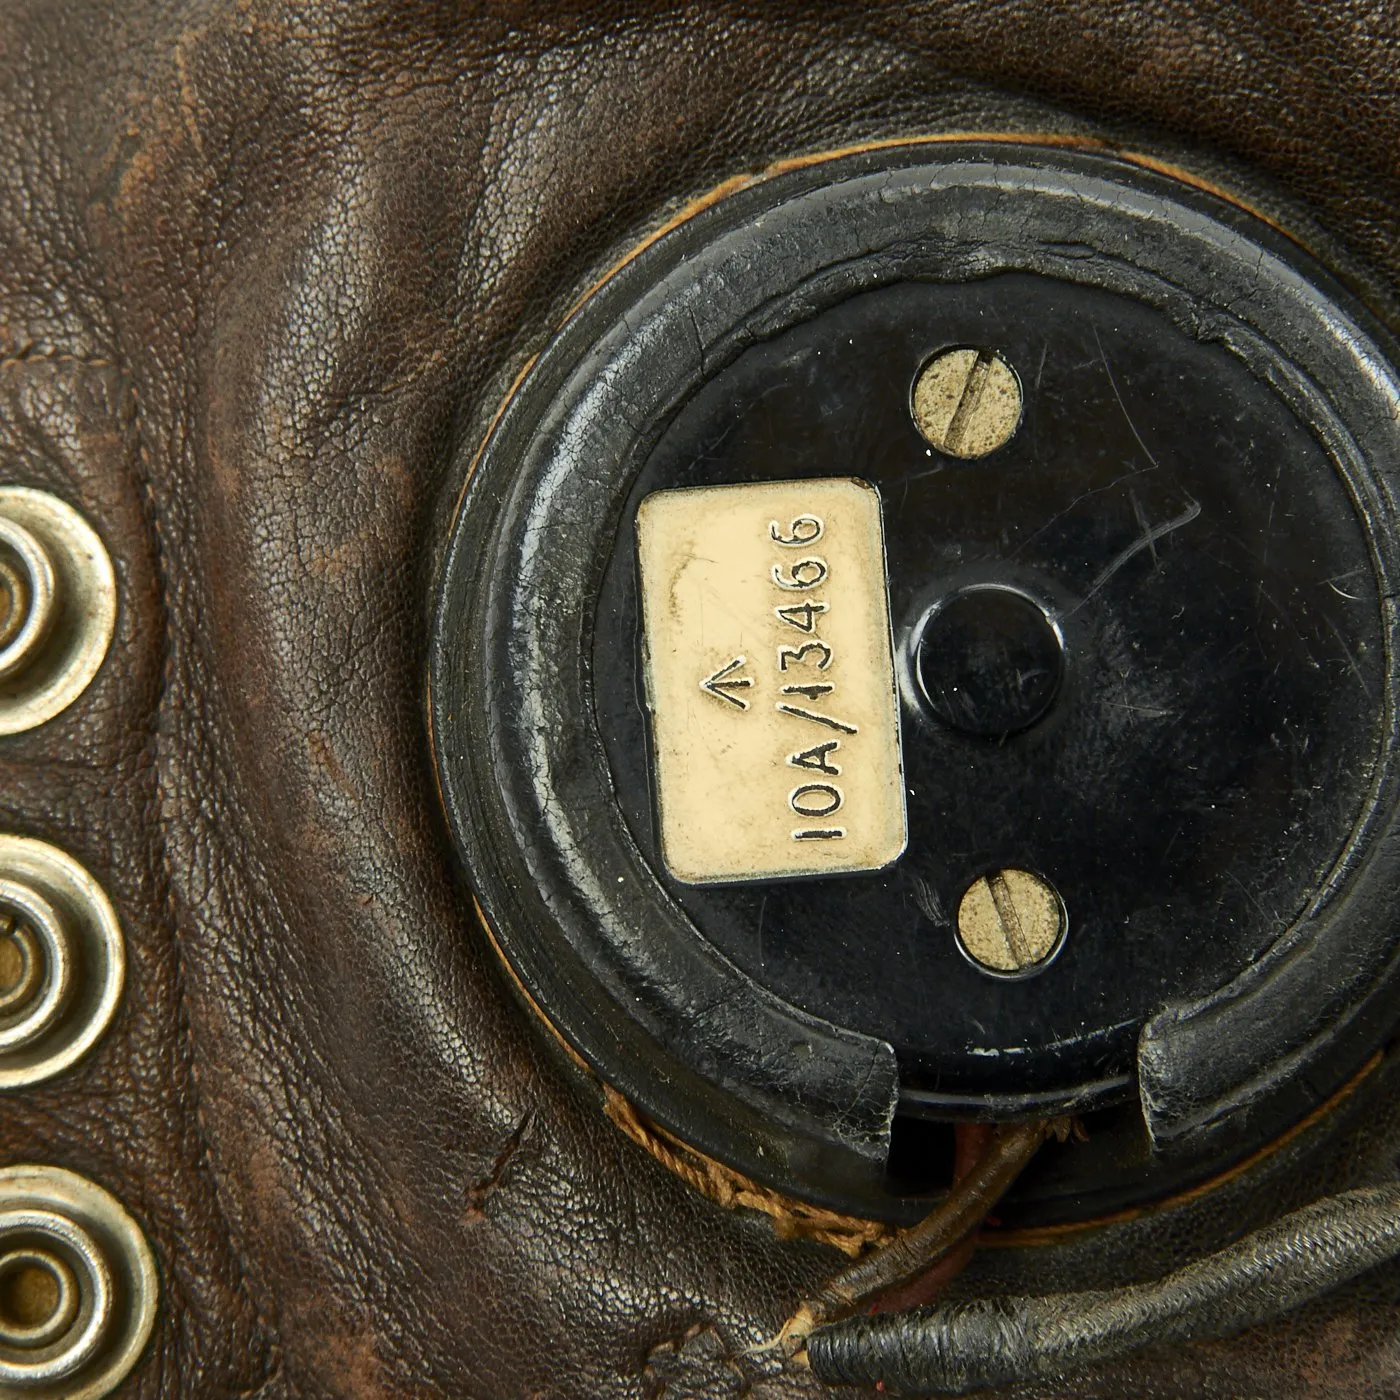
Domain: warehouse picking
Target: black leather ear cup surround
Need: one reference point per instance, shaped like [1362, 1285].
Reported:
[1196, 509]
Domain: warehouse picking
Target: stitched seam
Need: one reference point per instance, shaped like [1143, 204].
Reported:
[29, 355]
[166, 898]
[659, 1386]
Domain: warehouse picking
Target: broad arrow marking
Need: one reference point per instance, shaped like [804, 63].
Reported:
[720, 688]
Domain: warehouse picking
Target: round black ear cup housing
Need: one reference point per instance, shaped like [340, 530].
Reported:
[1142, 633]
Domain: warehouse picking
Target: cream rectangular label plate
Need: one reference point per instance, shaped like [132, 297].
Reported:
[770, 680]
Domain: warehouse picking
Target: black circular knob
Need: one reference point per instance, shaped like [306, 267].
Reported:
[989, 661]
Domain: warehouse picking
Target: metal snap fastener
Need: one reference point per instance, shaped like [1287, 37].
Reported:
[78, 1286]
[62, 961]
[26, 597]
[46, 967]
[21, 964]
[39, 1297]
[58, 606]
[49, 1332]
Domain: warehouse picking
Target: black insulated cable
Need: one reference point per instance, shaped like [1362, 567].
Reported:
[955, 1348]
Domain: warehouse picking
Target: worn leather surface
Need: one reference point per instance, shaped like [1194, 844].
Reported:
[263, 267]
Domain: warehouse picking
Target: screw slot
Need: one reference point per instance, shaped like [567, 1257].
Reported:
[967, 402]
[1011, 923]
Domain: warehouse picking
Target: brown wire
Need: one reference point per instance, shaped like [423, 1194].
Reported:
[918, 1249]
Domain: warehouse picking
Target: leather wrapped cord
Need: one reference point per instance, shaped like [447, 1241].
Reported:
[956, 1348]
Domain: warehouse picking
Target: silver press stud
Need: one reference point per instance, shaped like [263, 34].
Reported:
[78, 1286]
[62, 961]
[58, 606]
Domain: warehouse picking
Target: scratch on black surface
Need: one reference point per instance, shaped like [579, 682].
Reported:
[917, 476]
[851, 1111]
[1147, 710]
[1269, 915]
[700, 350]
[1128, 417]
[1172, 843]
[1075, 503]
[1349, 654]
[1341, 592]
[1143, 526]
[1145, 541]
[928, 903]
